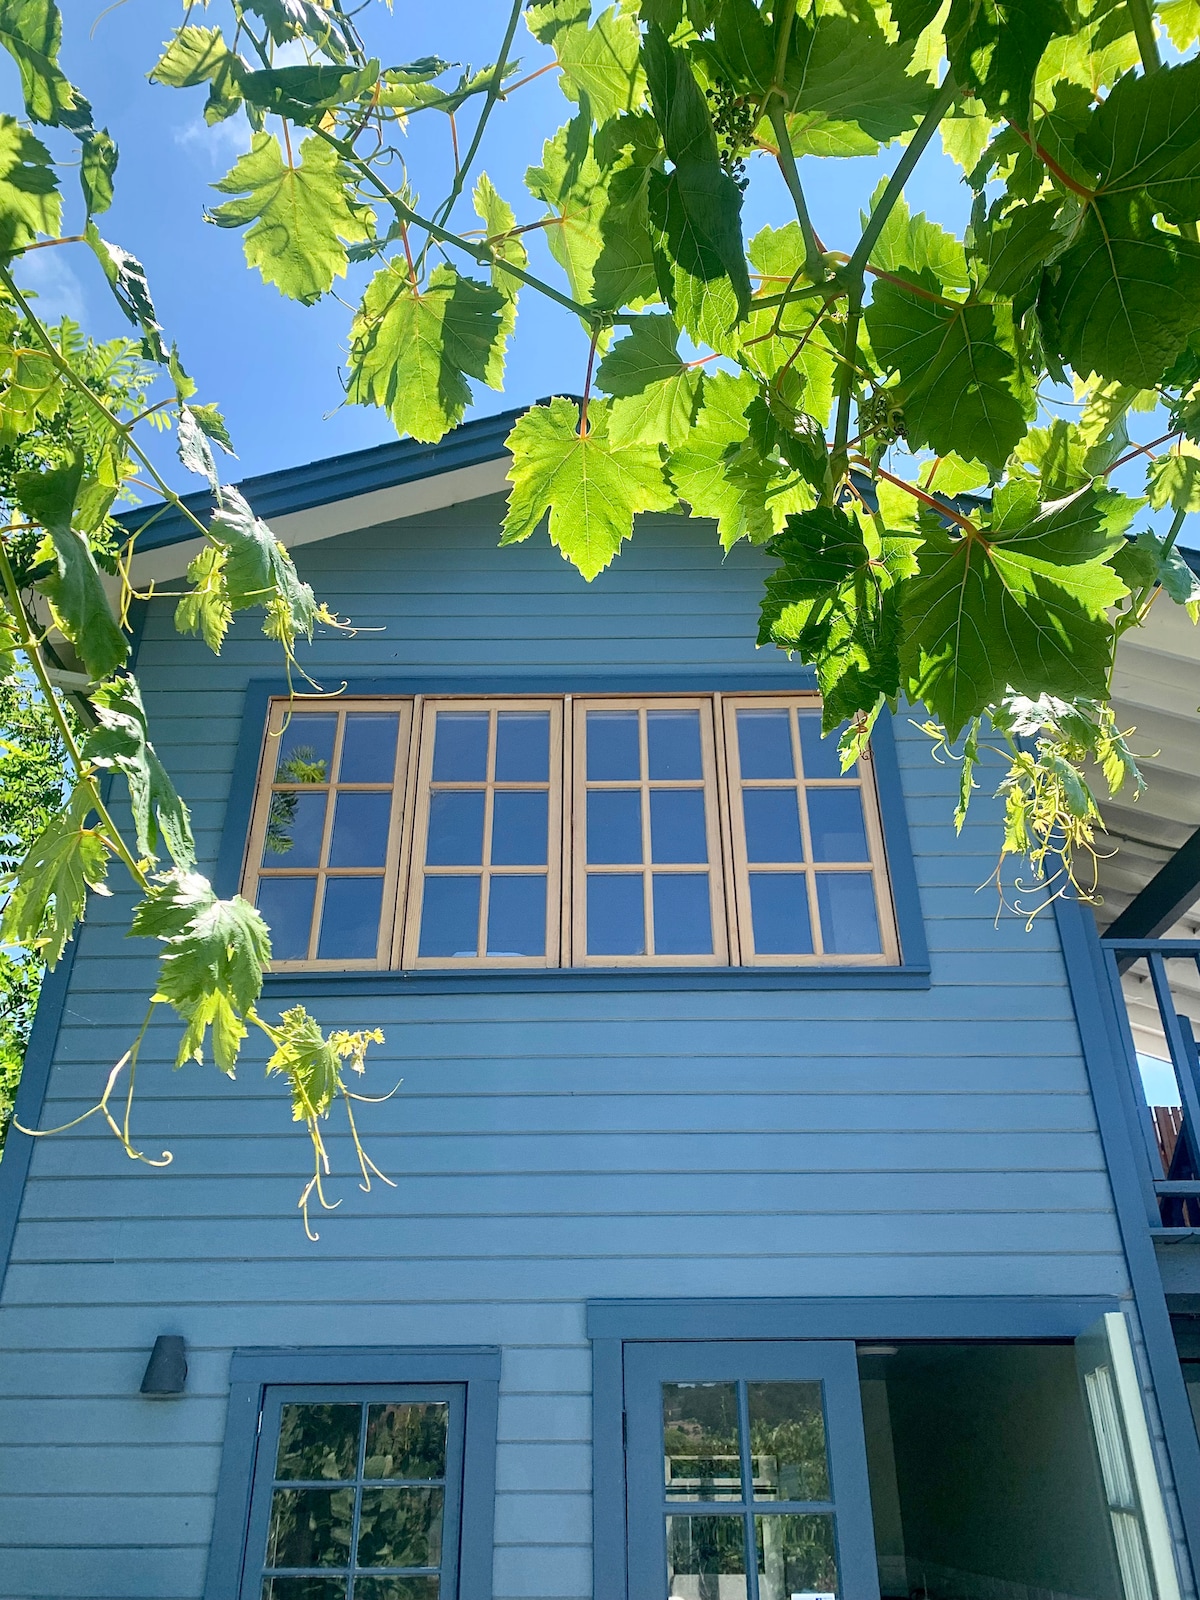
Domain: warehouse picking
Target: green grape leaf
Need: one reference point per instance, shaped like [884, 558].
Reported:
[628, 149]
[849, 89]
[1021, 606]
[412, 349]
[498, 219]
[31, 31]
[995, 47]
[598, 60]
[211, 967]
[1146, 136]
[1174, 479]
[1181, 19]
[1061, 456]
[210, 420]
[193, 56]
[32, 388]
[193, 448]
[127, 280]
[953, 475]
[120, 742]
[591, 488]
[301, 19]
[302, 215]
[258, 571]
[29, 199]
[656, 394]
[918, 250]
[303, 94]
[965, 134]
[572, 183]
[1016, 246]
[98, 163]
[73, 585]
[49, 894]
[695, 210]
[742, 48]
[1143, 562]
[1125, 296]
[964, 385]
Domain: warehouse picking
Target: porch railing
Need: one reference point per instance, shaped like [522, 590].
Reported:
[1167, 1135]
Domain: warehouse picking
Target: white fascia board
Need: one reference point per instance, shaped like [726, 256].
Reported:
[345, 516]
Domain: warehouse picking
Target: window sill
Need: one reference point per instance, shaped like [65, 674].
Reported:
[576, 980]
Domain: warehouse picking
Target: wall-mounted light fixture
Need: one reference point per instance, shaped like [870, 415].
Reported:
[166, 1370]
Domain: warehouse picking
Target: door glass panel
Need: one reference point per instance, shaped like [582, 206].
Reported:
[295, 828]
[414, 1586]
[350, 919]
[369, 747]
[819, 754]
[677, 825]
[797, 1557]
[523, 747]
[519, 827]
[517, 915]
[682, 919]
[835, 820]
[360, 830]
[450, 916]
[616, 921]
[772, 819]
[613, 751]
[614, 825]
[460, 747]
[787, 1441]
[779, 913]
[701, 1458]
[849, 923]
[706, 1558]
[310, 1527]
[455, 828]
[310, 1588]
[400, 1528]
[406, 1441]
[673, 744]
[318, 1441]
[306, 750]
[765, 744]
[287, 906]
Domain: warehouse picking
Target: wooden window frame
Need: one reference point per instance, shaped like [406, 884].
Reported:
[408, 927]
[863, 776]
[580, 788]
[279, 716]
[566, 867]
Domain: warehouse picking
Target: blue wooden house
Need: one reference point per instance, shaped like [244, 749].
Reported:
[771, 1221]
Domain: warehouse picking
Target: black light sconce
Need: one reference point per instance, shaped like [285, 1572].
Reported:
[166, 1370]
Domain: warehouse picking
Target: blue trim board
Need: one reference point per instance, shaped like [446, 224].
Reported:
[250, 1371]
[1165, 898]
[611, 1324]
[31, 1092]
[319, 483]
[913, 973]
[1104, 1056]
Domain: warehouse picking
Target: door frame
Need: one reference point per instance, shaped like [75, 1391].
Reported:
[612, 1324]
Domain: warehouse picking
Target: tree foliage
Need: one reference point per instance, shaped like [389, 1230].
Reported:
[921, 429]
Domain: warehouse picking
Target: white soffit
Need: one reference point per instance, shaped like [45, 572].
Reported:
[345, 516]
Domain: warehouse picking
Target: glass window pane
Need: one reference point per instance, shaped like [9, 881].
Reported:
[517, 915]
[310, 1528]
[350, 919]
[787, 1441]
[682, 920]
[819, 755]
[779, 912]
[706, 1558]
[310, 1588]
[406, 1441]
[360, 830]
[455, 828]
[772, 818]
[673, 744]
[614, 825]
[612, 745]
[701, 1459]
[615, 914]
[677, 825]
[765, 744]
[522, 746]
[400, 1528]
[450, 917]
[318, 1441]
[797, 1557]
[849, 925]
[835, 819]
[520, 819]
[422, 1586]
[287, 906]
[460, 747]
[369, 747]
[306, 749]
[295, 828]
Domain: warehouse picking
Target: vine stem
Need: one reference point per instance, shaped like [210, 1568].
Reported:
[791, 176]
[495, 88]
[939, 506]
[587, 385]
[34, 655]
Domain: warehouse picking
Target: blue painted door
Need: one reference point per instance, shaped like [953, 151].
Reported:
[746, 1472]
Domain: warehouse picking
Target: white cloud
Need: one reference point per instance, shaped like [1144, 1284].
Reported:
[217, 146]
[49, 275]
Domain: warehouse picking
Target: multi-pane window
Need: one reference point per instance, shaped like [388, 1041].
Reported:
[356, 1496]
[551, 831]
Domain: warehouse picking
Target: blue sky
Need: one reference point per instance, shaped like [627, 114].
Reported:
[272, 365]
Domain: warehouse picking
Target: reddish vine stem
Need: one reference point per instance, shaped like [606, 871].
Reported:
[1048, 161]
[587, 385]
[927, 499]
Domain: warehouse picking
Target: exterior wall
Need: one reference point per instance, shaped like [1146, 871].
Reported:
[547, 1147]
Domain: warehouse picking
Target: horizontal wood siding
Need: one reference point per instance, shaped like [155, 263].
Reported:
[546, 1147]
